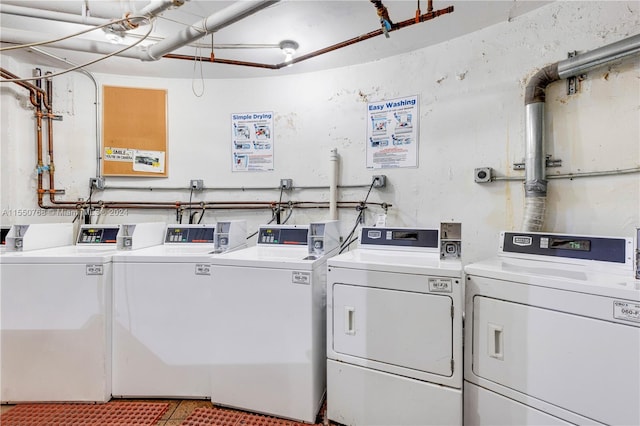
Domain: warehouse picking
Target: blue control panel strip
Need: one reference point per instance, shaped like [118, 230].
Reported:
[400, 237]
[569, 246]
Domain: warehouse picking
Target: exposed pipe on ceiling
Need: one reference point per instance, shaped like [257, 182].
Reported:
[214, 23]
[153, 8]
[397, 26]
[535, 161]
[223, 18]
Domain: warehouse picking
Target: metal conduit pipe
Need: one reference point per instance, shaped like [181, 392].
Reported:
[535, 162]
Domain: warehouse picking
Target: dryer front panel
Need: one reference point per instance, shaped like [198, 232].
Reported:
[397, 328]
[581, 364]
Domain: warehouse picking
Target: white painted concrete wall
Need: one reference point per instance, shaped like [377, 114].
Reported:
[471, 93]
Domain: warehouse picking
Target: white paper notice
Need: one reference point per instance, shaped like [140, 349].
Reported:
[392, 133]
[252, 141]
[148, 161]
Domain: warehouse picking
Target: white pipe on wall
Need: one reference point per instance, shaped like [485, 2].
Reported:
[333, 184]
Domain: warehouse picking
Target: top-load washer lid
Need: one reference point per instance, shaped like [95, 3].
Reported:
[588, 264]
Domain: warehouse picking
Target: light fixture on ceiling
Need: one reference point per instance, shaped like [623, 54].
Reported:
[114, 36]
[288, 48]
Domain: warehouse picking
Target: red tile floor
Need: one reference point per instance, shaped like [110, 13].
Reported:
[203, 413]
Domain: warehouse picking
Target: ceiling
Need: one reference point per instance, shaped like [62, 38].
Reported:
[314, 25]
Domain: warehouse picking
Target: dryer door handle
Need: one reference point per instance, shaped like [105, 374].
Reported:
[495, 341]
[350, 320]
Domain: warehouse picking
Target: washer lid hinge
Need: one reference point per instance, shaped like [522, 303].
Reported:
[452, 363]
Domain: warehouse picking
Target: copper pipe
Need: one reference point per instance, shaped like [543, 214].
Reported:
[431, 14]
[220, 61]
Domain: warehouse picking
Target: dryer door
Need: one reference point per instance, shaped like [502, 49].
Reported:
[584, 365]
[398, 328]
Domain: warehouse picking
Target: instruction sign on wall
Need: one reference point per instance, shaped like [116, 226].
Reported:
[252, 141]
[392, 133]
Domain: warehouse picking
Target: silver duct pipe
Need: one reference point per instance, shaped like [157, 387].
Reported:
[225, 17]
[585, 62]
[535, 162]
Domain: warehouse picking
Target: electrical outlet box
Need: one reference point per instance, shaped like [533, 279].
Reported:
[196, 184]
[379, 181]
[286, 183]
[483, 174]
[96, 182]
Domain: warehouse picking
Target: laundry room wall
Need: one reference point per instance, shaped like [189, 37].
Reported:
[471, 108]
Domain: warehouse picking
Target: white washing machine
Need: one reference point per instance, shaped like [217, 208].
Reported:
[56, 316]
[163, 299]
[394, 331]
[552, 332]
[269, 313]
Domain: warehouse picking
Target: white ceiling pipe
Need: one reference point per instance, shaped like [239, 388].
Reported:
[51, 15]
[151, 9]
[213, 23]
[10, 35]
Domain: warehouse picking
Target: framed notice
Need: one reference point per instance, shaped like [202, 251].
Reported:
[392, 133]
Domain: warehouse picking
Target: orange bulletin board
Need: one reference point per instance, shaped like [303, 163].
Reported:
[134, 141]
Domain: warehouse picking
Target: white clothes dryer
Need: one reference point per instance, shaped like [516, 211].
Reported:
[394, 326]
[56, 316]
[269, 313]
[163, 298]
[552, 333]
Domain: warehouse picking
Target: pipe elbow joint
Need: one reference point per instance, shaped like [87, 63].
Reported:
[535, 90]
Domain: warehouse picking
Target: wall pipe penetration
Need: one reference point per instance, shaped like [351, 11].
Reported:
[40, 97]
[535, 184]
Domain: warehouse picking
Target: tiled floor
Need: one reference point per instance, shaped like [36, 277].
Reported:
[175, 415]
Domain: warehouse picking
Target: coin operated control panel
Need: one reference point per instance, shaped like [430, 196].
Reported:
[230, 235]
[616, 252]
[323, 238]
[450, 240]
[419, 239]
[190, 234]
[283, 235]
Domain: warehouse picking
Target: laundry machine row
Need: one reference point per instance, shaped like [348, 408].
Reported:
[552, 332]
